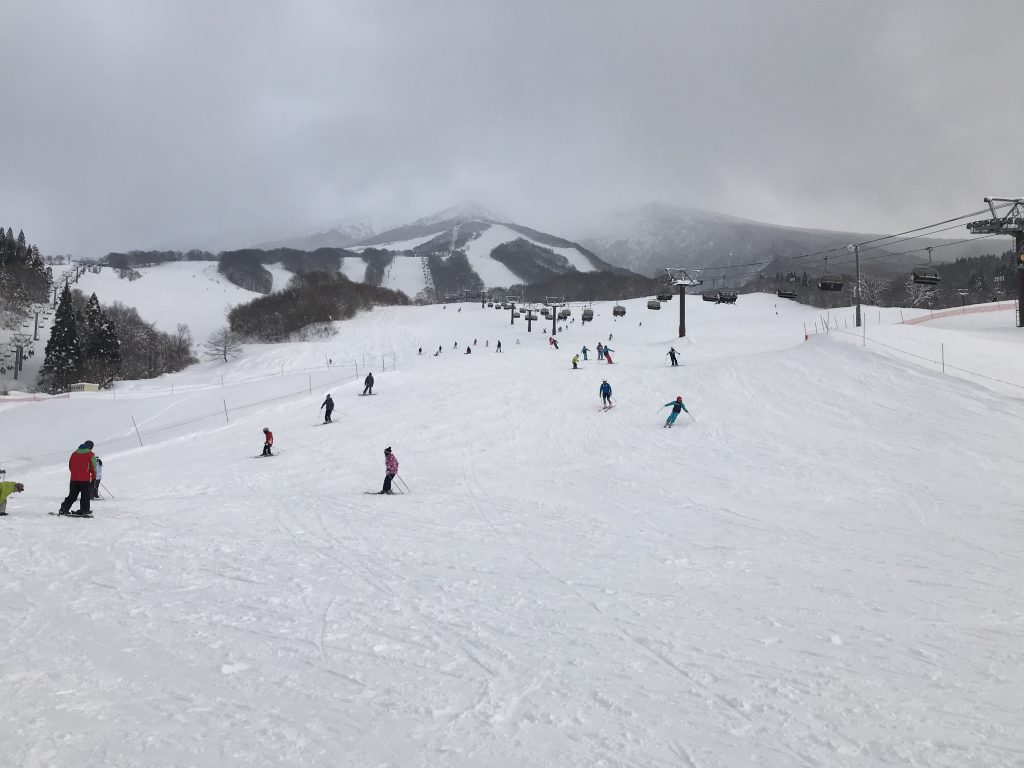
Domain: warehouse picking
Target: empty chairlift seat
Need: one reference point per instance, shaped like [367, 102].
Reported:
[786, 292]
[830, 282]
[654, 304]
[926, 275]
[664, 296]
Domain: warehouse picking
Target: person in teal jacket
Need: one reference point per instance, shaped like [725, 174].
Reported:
[6, 489]
[677, 406]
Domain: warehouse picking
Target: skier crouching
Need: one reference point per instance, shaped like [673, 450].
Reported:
[390, 468]
[6, 489]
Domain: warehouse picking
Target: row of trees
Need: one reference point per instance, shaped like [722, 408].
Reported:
[91, 343]
[312, 297]
[24, 277]
[969, 280]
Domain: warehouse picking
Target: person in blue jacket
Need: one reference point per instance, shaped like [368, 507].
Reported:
[606, 392]
[677, 406]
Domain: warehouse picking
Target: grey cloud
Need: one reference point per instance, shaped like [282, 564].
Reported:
[132, 124]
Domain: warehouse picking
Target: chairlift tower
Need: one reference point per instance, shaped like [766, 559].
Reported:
[556, 303]
[1010, 224]
[684, 278]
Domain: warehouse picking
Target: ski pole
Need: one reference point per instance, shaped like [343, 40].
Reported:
[691, 416]
[399, 478]
[106, 489]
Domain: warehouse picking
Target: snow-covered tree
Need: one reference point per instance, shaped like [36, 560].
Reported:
[920, 295]
[63, 363]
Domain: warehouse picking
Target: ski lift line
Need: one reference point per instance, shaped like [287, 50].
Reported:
[748, 272]
[867, 242]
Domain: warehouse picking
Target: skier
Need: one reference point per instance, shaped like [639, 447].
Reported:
[584, 352]
[469, 350]
[390, 469]
[552, 341]
[677, 406]
[268, 442]
[99, 478]
[438, 349]
[6, 489]
[83, 472]
[368, 382]
[608, 354]
[606, 393]
[498, 348]
[609, 337]
[328, 403]
[600, 351]
[575, 360]
[421, 350]
[672, 355]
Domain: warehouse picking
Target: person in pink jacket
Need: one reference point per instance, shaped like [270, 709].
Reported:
[391, 469]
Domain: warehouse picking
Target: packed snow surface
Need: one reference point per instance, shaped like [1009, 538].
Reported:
[405, 273]
[353, 268]
[478, 252]
[190, 292]
[823, 569]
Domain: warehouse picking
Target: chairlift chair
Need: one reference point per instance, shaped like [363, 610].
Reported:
[786, 292]
[926, 274]
[654, 304]
[588, 315]
[830, 281]
[563, 314]
[664, 296]
[728, 297]
[515, 314]
[709, 296]
[618, 310]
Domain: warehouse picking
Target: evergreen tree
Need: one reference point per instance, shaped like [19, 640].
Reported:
[63, 363]
[100, 343]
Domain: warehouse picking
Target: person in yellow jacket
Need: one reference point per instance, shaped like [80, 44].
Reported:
[6, 489]
[575, 361]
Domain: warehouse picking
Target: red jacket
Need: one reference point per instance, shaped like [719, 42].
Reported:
[268, 437]
[82, 466]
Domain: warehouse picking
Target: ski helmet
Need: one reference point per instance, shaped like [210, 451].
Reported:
[89, 444]
[679, 399]
[266, 429]
[388, 449]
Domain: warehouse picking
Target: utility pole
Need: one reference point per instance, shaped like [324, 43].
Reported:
[1010, 224]
[856, 288]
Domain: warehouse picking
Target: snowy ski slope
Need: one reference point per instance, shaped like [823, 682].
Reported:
[823, 569]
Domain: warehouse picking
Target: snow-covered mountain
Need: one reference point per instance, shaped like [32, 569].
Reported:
[658, 235]
[338, 236]
[467, 247]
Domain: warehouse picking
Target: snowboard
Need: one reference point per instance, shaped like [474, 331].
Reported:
[270, 456]
[69, 514]
[324, 423]
[365, 395]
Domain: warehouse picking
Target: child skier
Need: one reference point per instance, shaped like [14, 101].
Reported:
[672, 355]
[328, 403]
[268, 442]
[606, 393]
[575, 360]
[6, 489]
[390, 470]
[99, 478]
[677, 406]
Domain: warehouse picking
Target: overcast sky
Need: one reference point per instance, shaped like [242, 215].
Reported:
[134, 124]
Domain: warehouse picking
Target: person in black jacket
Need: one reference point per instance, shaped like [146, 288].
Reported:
[368, 381]
[328, 403]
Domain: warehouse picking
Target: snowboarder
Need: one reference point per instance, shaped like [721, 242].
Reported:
[328, 403]
[268, 442]
[498, 348]
[390, 469]
[609, 337]
[469, 350]
[672, 355]
[83, 472]
[584, 352]
[600, 351]
[438, 350]
[6, 489]
[677, 406]
[575, 360]
[99, 478]
[606, 393]
[368, 384]
[608, 354]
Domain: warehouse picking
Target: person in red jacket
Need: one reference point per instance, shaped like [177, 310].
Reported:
[268, 441]
[83, 472]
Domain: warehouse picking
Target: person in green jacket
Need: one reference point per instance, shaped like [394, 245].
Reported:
[6, 489]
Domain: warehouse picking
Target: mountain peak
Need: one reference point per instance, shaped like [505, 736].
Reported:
[465, 211]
